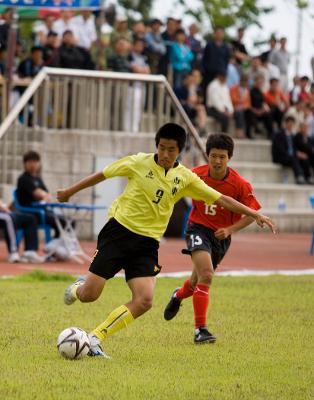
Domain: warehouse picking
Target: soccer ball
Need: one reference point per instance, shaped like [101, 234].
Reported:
[73, 343]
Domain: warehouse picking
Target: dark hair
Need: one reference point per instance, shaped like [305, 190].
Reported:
[31, 156]
[171, 131]
[36, 48]
[220, 141]
[289, 118]
[272, 80]
[180, 31]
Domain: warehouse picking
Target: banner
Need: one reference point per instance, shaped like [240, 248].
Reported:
[90, 4]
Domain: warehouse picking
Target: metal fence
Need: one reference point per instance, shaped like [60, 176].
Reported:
[88, 100]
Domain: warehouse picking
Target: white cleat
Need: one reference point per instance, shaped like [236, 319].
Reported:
[14, 258]
[30, 256]
[95, 348]
[69, 298]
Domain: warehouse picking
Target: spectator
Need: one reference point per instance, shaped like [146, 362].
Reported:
[10, 222]
[42, 28]
[65, 24]
[304, 92]
[297, 112]
[281, 58]
[272, 71]
[241, 101]
[195, 44]
[85, 29]
[31, 65]
[295, 91]
[284, 152]
[311, 96]
[168, 36]
[272, 47]
[118, 61]
[260, 112]
[3, 61]
[72, 56]
[277, 101]
[138, 30]
[239, 49]
[155, 46]
[5, 24]
[215, 58]
[120, 31]
[51, 50]
[31, 188]
[181, 58]
[255, 69]
[304, 148]
[233, 76]
[219, 105]
[188, 97]
[136, 92]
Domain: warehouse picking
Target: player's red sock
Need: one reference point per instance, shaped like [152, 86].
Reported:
[185, 291]
[200, 304]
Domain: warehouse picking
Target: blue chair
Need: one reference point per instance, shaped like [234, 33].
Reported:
[42, 219]
[312, 242]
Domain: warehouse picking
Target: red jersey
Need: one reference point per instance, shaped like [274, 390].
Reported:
[213, 216]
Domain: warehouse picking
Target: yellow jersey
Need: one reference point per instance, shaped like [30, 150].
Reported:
[147, 202]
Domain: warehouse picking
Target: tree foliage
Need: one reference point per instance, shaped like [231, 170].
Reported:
[227, 13]
[141, 6]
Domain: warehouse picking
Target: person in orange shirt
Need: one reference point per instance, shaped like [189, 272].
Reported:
[277, 101]
[241, 100]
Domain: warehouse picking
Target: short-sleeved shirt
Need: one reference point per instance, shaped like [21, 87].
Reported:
[233, 185]
[147, 202]
[26, 185]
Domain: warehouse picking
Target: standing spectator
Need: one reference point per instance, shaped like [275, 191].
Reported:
[181, 58]
[195, 45]
[241, 101]
[233, 76]
[51, 50]
[5, 24]
[281, 58]
[138, 30]
[136, 92]
[219, 105]
[260, 110]
[295, 91]
[10, 222]
[65, 23]
[42, 28]
[277, 101]
[272, 71]
[120, 31]
[272, 47]
[284, 152]
[168, 36]
[239, 49]
[118, 61]
[304, 148]
[31, 65]
[155, 46]
[86, 29]
[255, 69]
[73, 56]
[215, 58]
[188, 97]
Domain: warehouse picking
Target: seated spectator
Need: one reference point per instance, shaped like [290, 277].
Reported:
[295, 91]
[155, 46]
[284, 151]
[10, 222]
[138, 30]
[260, 111]
[85, 29]
[218, 101]
[233, 76]
[51, 50]
[31, 65]
[119, 59]
[31, 188]
[297, 112]
[189, 98]
[181, 58]
[304, 148]
[277, 101]
[73, 56]
[304, 91]
[120, 31]
[255, 69]
[241, 101]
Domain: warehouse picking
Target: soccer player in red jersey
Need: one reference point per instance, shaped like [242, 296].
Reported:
[209, 231]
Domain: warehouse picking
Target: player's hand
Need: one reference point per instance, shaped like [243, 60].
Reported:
[63, 195]
[263, 220]
[222, 233]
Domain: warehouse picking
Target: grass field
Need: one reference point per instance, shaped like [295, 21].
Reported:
[264, 325]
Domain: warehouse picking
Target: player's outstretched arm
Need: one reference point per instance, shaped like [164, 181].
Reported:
[233, 205]
[63, 195]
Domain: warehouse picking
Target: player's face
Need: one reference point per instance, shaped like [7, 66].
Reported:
[167, 152]
[218, 162]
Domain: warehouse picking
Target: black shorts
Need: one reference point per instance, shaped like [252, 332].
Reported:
[118, 248]
[198, 237]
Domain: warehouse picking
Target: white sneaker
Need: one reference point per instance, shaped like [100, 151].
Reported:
[68, 296]
[32, 257]
[95, 348]
[14, 258]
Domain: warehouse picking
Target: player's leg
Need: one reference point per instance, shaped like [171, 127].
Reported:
[204, 270]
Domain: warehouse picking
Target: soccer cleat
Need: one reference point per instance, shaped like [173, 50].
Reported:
[30, 256]
[95, 348]
[14, 258]
[69, 297]
[203, 336]
[172, 307]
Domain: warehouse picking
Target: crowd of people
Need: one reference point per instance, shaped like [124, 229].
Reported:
[217, 79]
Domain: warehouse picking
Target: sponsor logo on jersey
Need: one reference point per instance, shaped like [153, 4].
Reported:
[150, 175]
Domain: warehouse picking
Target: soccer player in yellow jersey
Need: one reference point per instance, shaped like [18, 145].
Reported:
[137, 220]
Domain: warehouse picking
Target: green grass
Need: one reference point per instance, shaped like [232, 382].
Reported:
[264, 350]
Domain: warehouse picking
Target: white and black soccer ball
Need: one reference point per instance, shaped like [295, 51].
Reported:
[73, 343]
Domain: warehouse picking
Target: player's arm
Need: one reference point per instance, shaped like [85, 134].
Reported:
[234, 206]
[64, 195]
[223, 233]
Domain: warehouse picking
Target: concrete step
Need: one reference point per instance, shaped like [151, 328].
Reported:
[295, 196]
[263, 172]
